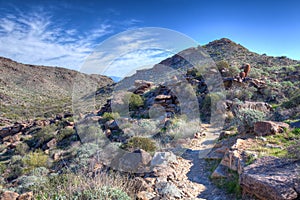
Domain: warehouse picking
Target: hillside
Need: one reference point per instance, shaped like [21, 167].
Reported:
[38, 91]
[236, 54]
[176, 131]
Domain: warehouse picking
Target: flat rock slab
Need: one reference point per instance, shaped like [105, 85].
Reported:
[271, 178]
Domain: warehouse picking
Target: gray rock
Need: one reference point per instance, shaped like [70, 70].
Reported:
[163, 158]
[220, 172]
[167, 189]
[136, 161]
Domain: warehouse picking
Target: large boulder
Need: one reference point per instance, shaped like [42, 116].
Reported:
[135, 162]
[271, 178]
[9, 195]
[264, 128]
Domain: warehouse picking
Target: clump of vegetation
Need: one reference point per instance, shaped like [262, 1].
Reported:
[135, 101]
[230, 183]
[285, 145]
[293, 102]
[144, 143]
[80, 186]
[110, 116]
[64, 133]
[230, 71]
[35, 159]
[247, 117]
[22, 149]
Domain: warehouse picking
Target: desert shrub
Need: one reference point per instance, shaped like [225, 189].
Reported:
[64, 133]
[233, 70]
[135, 101]
[247, 117]
[2, 168]
[22, 148]
[35, 159]
[109, 116]
[222, 65]
[293, 102]
[43, 135]
[294, 150]
[287, 84]
[16, 170]
[104, 193]
[230, 184]
[90, 133]
[210, 102]
[27, 183]
[146, 144]
[80, 186]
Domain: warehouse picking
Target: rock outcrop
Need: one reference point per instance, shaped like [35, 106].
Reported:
[264, 128]
[271, 178]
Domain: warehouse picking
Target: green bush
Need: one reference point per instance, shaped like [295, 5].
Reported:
[222, 65]
[135, 101]
[2, 168]
[109, 116]
[64, 133]
[35, 159]
[146, 144]
[293, 102]
[247, 117]
[22, 148]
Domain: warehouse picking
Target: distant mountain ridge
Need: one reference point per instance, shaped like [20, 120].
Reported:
[236, 54]
[32, 90]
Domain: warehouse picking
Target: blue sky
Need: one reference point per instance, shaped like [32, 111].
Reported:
[65, 33]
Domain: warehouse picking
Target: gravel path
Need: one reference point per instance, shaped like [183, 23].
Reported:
[199, 174]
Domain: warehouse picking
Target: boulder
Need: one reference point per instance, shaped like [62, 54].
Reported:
[168, 190]
[163, 158]
[111, 124]
[26, 196]
[9, 195]
[135, 162]
[144, 195]
[220, 172]
[295, 124]
[271, 178]
[264, 128]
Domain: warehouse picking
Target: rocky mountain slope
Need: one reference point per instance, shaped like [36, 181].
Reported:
[236, 54]
[158, 150]
[38, 91]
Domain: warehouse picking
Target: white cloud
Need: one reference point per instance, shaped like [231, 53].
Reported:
[124, 53]
[34, 38]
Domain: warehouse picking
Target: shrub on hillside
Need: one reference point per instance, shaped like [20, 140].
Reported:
[245, 118]
[146, 144]
[135, 101]
[35, 159]
[293, 102]
[109, 116]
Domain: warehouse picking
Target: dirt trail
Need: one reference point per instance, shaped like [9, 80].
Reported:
[194, 170]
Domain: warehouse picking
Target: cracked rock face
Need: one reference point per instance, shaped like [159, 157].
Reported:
[272, 178]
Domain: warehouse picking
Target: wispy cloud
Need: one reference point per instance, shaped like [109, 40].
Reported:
[135, 49]
[36, 39]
